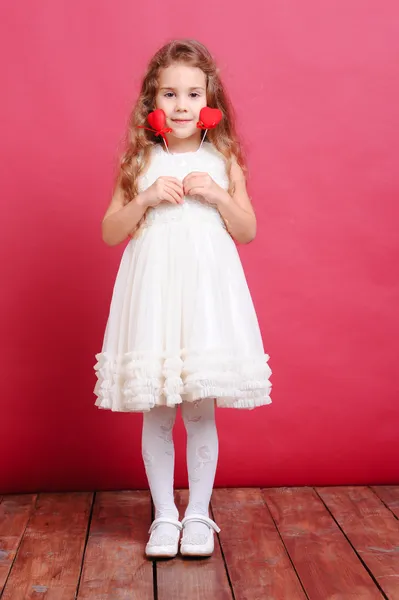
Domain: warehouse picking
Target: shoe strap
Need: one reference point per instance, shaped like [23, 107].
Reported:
[165, 520]
[201, 519]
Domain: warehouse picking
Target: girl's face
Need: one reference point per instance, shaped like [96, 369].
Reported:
[181, 95]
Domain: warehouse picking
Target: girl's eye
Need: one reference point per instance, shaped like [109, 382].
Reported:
[171, 94]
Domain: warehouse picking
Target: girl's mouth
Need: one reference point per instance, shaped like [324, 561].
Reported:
[181, 121]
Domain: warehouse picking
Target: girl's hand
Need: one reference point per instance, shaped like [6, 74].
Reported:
[202, 184]
[164, 189]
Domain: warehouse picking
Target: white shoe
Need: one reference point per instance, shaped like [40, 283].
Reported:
[189, 546]
[163, 546]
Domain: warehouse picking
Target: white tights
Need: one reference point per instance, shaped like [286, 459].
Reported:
[159, 461]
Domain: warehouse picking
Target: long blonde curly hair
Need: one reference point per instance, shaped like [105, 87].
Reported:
[140, 141]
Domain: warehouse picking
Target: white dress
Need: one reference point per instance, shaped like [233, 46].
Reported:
[182, 325]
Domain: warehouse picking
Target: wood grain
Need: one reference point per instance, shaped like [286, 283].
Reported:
[322, 557]
[15, 511]
[327, 543]
[371, 528]
[256, 559]
[389, 494]
[115, 566]
[49, 558]
[192, 578]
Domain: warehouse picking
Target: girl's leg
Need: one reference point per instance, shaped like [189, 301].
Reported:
[202, 457]
[159, 460]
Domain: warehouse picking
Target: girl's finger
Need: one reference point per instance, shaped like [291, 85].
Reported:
[178, 189]
[173, 193]
[195, 191]
[167, 197]
[194, 173]
[191, 177]
[174, 180]
[195, 182]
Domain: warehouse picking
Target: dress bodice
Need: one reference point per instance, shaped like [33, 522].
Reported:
[205, 160]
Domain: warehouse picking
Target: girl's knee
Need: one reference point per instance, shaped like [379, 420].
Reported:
[199, 414]
[160, 416]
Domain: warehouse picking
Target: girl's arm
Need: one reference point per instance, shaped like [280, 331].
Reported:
[236, 210]
[121, 219]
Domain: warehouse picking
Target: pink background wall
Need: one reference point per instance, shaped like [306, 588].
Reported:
[315, 85]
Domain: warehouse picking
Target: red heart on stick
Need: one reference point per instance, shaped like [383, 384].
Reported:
[157, 120]
[209, 118]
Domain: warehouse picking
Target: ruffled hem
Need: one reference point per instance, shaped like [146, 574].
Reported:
[137, 381]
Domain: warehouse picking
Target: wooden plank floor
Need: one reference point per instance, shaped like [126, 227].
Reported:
[275, 544]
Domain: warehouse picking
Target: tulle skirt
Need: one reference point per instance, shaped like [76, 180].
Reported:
[181, 325]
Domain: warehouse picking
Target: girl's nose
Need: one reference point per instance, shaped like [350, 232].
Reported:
[180, 105]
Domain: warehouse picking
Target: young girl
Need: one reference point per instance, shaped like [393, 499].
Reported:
[182, 329]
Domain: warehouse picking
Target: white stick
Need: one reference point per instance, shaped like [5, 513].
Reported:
[166, 145]
[202, 141]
